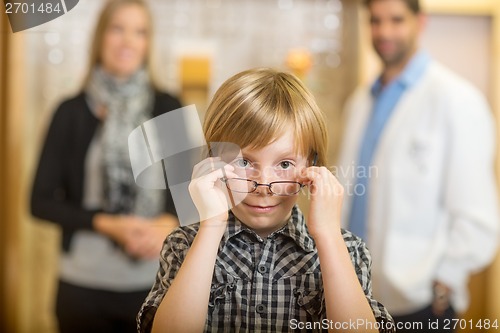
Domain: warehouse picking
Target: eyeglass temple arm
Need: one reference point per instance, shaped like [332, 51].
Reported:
[315, 159]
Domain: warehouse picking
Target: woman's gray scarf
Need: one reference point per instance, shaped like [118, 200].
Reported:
[127, 105]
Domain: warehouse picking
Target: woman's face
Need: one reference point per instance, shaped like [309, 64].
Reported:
[125, 42]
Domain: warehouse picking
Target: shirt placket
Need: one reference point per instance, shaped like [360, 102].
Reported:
[262, 286]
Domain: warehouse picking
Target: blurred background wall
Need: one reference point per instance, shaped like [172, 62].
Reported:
[200, 43]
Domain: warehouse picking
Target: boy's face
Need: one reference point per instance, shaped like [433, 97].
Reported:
[261, 210]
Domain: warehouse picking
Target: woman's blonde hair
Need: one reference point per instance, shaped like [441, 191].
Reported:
[109, 9]
[255, 107]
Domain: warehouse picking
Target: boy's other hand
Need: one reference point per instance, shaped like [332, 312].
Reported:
[326, 195]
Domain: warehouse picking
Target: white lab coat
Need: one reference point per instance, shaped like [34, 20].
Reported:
[433, 207]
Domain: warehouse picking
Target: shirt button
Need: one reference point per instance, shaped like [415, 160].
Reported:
[261, 308]
[262, 269]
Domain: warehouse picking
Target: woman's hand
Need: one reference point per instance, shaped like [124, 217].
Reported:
[148, 239]
[326, 195]
[140, 237]
[120, 228]
[209, 194]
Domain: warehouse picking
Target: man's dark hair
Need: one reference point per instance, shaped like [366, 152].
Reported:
[413, 5]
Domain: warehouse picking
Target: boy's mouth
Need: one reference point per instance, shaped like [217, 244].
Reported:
[261, 208]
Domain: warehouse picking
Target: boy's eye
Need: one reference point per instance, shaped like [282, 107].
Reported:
[286, 165]
[241, 163]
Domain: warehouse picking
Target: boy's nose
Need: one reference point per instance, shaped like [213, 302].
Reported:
[262, 189]
[265, 177]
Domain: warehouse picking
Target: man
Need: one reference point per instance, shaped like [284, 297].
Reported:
[417, 166]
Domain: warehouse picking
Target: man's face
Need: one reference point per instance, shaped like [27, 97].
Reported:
[394, 30]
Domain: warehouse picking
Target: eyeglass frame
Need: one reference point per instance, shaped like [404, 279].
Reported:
[256, 185]
[269, 185]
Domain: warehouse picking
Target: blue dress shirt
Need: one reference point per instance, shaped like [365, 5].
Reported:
[385, 100]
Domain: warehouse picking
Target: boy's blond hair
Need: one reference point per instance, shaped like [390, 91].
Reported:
[255, 107]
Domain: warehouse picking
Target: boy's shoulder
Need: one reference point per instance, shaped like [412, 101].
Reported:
[356, 247]
[350, 238]
[183, 235]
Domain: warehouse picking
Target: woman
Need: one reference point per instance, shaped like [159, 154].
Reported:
[112, 230]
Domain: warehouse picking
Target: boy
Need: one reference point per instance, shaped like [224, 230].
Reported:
[257, 267]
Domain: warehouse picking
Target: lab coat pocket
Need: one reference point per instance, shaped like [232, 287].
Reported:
[415, 189]
[419, 154]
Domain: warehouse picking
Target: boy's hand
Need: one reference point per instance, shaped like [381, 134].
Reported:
[326, 200]
[209, 194]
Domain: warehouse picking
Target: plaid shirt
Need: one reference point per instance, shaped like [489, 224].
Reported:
[261, 285]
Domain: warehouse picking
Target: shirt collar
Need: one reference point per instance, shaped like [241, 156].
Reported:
[412, 72]
[234, 227]
[295, 229]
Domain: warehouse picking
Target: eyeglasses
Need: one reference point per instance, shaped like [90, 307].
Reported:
[283, 188]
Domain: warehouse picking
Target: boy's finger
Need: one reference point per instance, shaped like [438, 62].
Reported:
[324, 172]
[307, 174]
[211, 167]
[217, 174]
[322, 179]
[207, 161]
